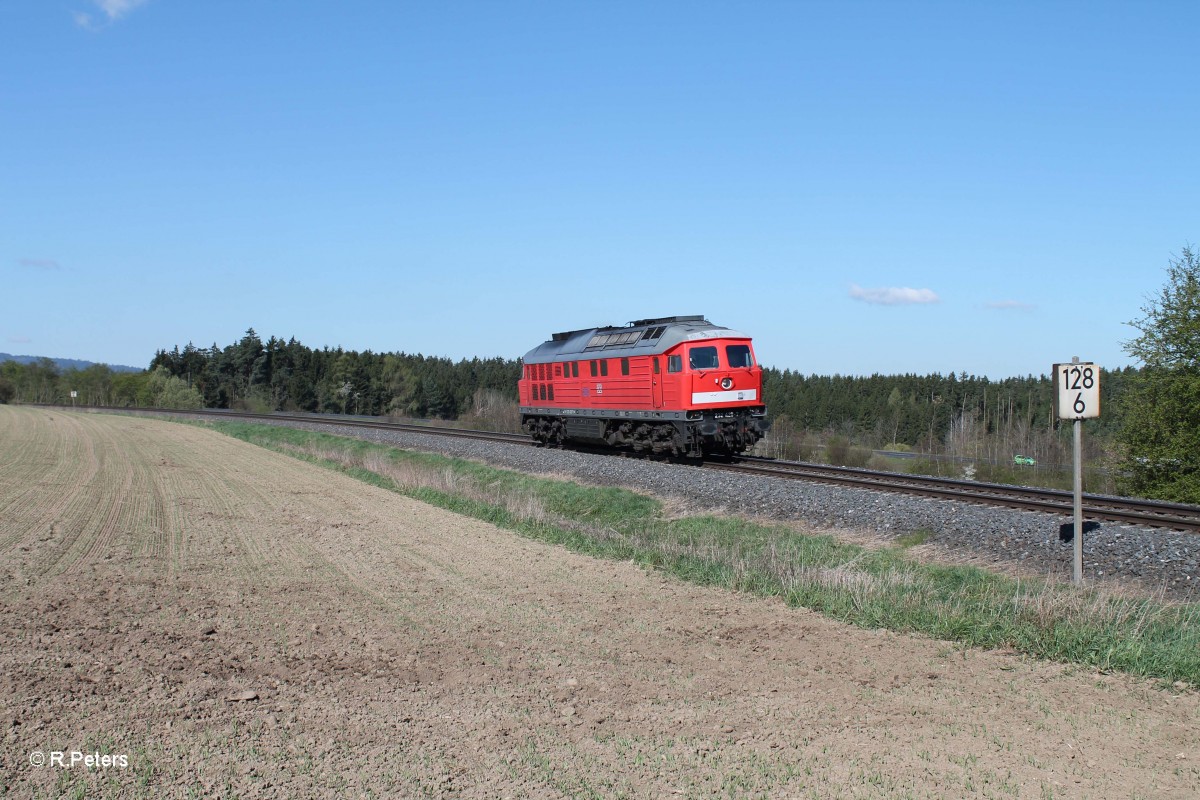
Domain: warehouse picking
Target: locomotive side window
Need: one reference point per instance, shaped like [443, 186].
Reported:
[738, 355]
[604, 367]
[574, 369]
[674, 363]
[624, 366]
[656, 366]
[703, 357]
[594, 368]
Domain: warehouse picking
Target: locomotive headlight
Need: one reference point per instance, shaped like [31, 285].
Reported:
[726, 383]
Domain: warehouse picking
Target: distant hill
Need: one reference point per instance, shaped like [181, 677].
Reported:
[66, 363]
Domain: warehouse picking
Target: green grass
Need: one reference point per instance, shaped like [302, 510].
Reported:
[914, 538]
[871, 588]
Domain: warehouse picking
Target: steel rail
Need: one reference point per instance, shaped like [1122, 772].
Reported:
[1133, 511]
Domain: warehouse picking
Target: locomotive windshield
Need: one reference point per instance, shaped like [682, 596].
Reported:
[738, 355]
[703, 357]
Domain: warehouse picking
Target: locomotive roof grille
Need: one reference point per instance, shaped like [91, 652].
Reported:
[602, 340]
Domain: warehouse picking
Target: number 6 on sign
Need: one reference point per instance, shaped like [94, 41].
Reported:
[1077, 394]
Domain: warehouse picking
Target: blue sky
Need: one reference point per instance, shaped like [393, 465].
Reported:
[863, 187]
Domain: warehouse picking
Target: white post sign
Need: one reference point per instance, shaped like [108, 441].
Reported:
[1078, 390]
[1077, 397]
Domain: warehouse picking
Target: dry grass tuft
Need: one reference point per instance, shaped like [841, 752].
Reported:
[522, 504]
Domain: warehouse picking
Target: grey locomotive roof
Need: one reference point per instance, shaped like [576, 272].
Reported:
[642, 337]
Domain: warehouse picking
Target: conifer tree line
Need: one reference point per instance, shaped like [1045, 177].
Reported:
[283, 375]
[279, 375]
[962, 415]
[914, 411]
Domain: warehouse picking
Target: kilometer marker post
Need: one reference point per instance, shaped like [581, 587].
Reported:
[1077, 397]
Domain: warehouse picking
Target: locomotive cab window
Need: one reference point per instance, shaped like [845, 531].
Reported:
[674, 363]
[703, 357]
[624, 366]
[738, 355]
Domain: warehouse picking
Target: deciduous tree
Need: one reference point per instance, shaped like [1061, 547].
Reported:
[1161, 430]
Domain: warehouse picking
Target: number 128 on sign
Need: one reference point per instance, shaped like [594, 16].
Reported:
[1078, 388]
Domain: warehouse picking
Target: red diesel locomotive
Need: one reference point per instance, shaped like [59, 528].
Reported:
[677, 385]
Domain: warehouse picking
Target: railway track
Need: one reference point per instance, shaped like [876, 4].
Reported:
[1130, 511]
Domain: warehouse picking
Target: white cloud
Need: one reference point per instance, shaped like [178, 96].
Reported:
[894, 295]
[113, 11]
[39, 263]
[1010, 305]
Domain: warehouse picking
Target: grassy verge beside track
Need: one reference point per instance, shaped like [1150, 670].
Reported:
[871, 588]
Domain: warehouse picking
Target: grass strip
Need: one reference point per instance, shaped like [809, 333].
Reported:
[870, 588]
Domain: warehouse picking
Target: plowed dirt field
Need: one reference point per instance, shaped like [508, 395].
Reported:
[233, 622]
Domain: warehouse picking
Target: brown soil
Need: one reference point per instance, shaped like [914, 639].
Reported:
[238, 623]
